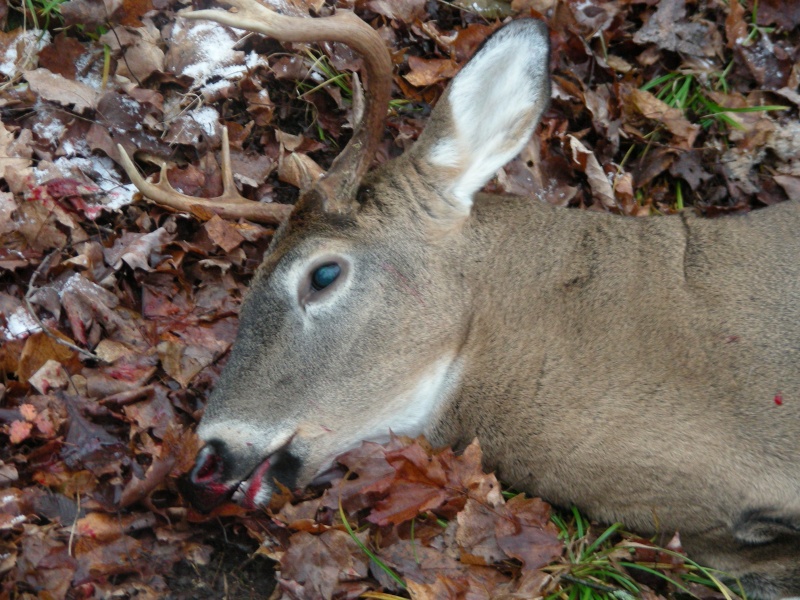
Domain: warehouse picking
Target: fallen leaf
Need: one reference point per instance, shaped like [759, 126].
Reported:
[60, 90]
[315, 565]
[223, 233]
[430, 71]
[137, 250]
[668, 29]
[598, 180]
[648, 106]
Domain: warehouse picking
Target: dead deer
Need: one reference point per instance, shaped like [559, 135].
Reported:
[631, 367]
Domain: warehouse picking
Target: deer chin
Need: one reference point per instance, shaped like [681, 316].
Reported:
[257, 489]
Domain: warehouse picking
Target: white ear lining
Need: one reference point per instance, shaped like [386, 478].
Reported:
[495, 102]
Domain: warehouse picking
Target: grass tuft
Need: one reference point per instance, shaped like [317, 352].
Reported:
[601, 568]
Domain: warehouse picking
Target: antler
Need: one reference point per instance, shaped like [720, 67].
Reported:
[229, 205]
[337, 188]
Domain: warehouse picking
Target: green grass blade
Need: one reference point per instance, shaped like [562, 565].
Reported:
[658, 81]
[751, 109]
[372, 556]
[600, 539]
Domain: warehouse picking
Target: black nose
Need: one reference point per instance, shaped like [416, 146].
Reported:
[205, 486]
[208, 467]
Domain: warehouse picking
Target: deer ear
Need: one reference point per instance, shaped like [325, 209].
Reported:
[487, 114]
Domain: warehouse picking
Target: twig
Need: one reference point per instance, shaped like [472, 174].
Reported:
[74, 525]
[128, 397]
[44, 328]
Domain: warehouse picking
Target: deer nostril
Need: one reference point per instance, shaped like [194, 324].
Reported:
[208, 466]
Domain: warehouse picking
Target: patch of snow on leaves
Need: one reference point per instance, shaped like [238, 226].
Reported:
[19, 324]
[215, 54]
[49, 129]
[72, 283]
[76, 147]
[99, 169]
[207, 118]
[31, 42]
[15, 521]
[88, 71]
[254, 59]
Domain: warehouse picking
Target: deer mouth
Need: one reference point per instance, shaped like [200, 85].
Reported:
[209, 483]
[255, 491]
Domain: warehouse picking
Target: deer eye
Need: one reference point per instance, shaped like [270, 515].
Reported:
[324, 276]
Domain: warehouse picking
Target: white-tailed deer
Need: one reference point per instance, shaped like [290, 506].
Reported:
[628, 366]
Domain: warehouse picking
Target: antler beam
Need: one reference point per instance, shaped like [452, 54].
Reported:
[229, 205]
[337, 188]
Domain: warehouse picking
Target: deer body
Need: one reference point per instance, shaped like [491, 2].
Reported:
[601, 349]
[645, 370]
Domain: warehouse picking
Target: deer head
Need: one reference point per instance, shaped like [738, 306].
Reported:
[343, 337]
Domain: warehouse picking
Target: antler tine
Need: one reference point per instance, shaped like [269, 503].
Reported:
[337, 188]
[229, 205]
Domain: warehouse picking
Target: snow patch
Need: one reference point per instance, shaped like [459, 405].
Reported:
[207, 118]
[100, 169]
[88, 71]
[254, 59]
[19, 325]
[72, 282]
[215, 56]
[49, 129]
[75, 147]
[30, 42]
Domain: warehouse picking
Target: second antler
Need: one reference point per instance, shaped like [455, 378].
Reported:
[337, 188]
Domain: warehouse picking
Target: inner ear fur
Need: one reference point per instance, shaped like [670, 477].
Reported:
[487, 114]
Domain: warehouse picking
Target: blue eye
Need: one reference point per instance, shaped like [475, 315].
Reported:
[324, 276]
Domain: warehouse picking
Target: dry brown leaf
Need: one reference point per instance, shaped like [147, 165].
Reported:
[223, 233]
[785, 13]
[476, 534]
[141, 49]
[62, 55]
[60, 90]
[669, 30]
[202, 51]
[430, 71]
[39, 349]
[791, 185]
[89, 13]
[598, 180]
[13, 157]
[105, 527]
[314, 566]
[137, 250]
[405, 11]
[197, 348]
[51, 376]
[735, 25]
[527, 533]
[133, 10]
[647, 105]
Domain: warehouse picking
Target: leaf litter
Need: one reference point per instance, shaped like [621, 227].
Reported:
[116, 316]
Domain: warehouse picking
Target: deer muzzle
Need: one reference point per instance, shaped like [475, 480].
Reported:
[207, 485]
